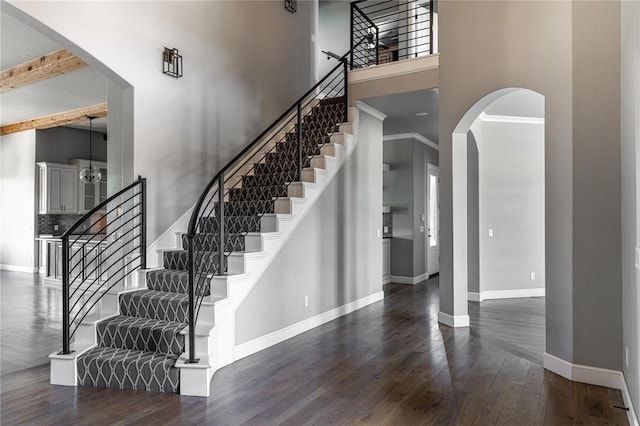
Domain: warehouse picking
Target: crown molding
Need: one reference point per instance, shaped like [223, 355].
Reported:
[370, 110]
[509, 119]
[415, 136]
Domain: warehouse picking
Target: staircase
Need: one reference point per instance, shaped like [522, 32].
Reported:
[144, 344]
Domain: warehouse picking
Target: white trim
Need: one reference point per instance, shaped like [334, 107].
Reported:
[395, 69]
[18, 268]
[453, 321]
[252, 346]
[371, 110]
[386, 280]
[509, 119]
[628, 402]
[399, 279]
[506, 294]
[417, 136]
[594, 376]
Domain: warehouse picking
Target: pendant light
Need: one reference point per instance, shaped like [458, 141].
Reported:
[92, 173]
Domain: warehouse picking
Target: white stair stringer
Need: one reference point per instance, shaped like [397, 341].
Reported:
[246, 268]
[215, 329]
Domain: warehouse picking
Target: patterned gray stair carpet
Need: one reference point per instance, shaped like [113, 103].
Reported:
[138, 349]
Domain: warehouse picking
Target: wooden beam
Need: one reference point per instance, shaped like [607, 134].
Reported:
[55, 120]
[47, 66]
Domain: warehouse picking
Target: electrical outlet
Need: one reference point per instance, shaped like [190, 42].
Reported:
[490, 233]
[378, 233]
[421, 228]
[626, 356]
[55, 227]
[306, 301]
[386, 229]
[637, 258]
[533, 276]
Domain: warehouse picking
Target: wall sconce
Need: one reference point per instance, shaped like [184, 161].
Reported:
[171, 63]
[291, 5]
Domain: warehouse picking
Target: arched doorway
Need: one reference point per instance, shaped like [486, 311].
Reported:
[512, 106]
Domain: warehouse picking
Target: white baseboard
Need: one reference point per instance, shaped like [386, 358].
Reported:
[593, 376]
[399, 279]
[18, 268]
[386, 280]
[453, 321]
[268, 340]
[506, 294]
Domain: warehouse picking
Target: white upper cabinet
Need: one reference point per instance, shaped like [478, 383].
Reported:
[58, 188]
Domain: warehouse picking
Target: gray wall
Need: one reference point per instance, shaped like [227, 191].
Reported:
[405, 191]
[333, 32]
[473, 211]
[511, 202]
[630, 138]
[17, 199]
[61, 144]
[244, 63]
[334, 256]
[548, 47]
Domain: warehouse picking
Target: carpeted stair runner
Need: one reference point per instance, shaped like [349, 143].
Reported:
[138, 348]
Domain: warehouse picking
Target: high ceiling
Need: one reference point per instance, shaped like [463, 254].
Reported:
[402, 110]
[80, 88]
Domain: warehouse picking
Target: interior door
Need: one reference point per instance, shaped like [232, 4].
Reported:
[433, 217]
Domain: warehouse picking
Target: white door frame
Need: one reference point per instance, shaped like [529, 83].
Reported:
[436, 169]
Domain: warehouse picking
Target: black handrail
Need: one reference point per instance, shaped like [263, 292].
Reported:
[212, 199]
[126, 219]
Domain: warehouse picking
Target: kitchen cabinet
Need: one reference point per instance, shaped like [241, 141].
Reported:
[87, 257]
[58, 188]
[91, 194]
[386, 260]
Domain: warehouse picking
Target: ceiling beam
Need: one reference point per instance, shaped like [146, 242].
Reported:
[47, 66]
[58, 119]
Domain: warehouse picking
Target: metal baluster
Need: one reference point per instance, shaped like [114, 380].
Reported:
[346, 91]
[299, 137]
[143, 233]
[192, 302]
[431, 27]
[351, 36]
[221, 219]
[65, 296]
[377, 46]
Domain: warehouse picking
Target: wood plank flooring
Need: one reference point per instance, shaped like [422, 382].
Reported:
[388, 363]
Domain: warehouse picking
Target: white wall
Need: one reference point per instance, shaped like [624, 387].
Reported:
[511, 203]
[244, 63]
[630, 150]
[335, 254]
[17, 201]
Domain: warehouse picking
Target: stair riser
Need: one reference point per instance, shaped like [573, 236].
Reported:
[173, 309]
[211, 242]
[140, 335]
[169, 282]
[234, 224]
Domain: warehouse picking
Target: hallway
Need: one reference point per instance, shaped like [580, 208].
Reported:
[387, 363]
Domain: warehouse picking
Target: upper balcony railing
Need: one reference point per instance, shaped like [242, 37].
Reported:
[394, 29]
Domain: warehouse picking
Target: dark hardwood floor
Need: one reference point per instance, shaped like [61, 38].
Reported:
[388, 363]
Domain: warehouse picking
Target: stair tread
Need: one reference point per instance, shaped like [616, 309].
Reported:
[137, 333]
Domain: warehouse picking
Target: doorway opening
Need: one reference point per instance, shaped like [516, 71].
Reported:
[498, 210]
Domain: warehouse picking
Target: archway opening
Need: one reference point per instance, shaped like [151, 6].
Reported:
[498, 202]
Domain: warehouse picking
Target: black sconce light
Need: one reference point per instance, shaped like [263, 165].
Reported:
[172, 62]
[291, 5]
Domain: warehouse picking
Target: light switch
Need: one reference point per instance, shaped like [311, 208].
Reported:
[490, 233]
[422, 217]
[386, 229]
[637, 258]
[378, 232]
[421, 228]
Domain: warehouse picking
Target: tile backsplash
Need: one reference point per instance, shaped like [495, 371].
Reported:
[46, 222]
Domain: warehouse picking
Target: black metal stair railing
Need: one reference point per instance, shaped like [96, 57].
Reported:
[279, 154]
[99, 251]
[397, 30]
